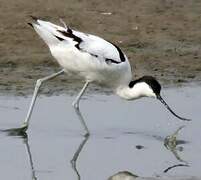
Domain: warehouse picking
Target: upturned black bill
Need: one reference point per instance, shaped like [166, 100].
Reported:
[166, 105]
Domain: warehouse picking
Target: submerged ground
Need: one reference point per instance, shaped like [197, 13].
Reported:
[125, 136]
[160, 37]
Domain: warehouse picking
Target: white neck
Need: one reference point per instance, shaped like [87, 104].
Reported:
[139, 90]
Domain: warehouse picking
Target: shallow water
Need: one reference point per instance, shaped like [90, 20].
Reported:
[124, 136]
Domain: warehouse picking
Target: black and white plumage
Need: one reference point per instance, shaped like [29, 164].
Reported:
[95, 60]
[86, 55]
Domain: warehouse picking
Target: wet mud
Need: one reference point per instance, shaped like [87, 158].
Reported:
[161, 38]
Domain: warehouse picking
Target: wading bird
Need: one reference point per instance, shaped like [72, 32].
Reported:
[96, 61]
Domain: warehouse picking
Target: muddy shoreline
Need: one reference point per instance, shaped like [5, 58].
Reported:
[160, 38]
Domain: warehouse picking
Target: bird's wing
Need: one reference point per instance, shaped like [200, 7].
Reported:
[100, 48]
[94, 45]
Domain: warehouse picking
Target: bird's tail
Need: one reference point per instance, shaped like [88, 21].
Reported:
[47, 31]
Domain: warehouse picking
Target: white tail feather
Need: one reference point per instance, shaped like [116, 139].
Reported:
[46, 35]
[50, 26]
[49, 32]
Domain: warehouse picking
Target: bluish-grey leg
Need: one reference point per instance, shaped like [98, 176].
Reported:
[39, 82]
[76, 107]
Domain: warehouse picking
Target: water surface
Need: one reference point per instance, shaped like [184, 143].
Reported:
[124, 136]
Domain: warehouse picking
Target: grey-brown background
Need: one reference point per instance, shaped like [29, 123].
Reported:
[160, 37]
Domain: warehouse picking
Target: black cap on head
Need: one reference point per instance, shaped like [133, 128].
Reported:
[156, 87]
[151, 81]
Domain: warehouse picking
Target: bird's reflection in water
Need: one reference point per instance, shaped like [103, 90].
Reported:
[76, 155]
[33, 172]
[126, 175]
[123, 175]
[80, 147]
[171, 142]
[25, 139]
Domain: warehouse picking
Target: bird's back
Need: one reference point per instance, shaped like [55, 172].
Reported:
[87, 55]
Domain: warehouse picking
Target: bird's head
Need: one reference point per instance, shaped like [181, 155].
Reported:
[148, 86]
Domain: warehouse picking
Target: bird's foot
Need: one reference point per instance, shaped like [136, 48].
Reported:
[24, 127]
[21, 131]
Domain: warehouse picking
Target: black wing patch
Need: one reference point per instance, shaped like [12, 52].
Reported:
[121, 54]
[108, 61]
[59, 38]
[69, 33]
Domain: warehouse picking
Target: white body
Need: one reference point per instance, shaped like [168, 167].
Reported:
[95, 60]
[82, 62]
[92, 58]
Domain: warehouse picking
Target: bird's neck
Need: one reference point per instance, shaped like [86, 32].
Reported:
[136, 91]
